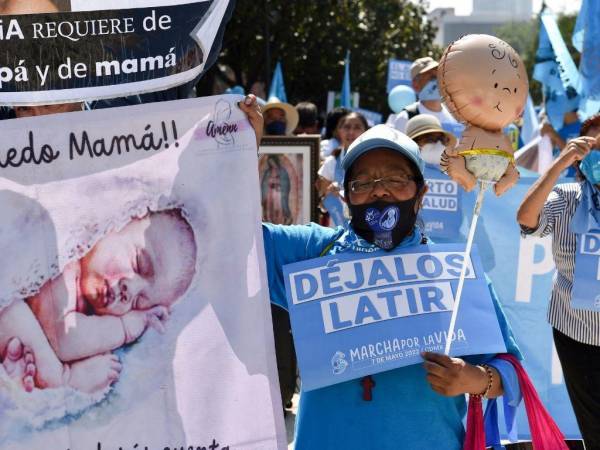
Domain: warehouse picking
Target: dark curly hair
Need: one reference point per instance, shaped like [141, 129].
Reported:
[593, 121]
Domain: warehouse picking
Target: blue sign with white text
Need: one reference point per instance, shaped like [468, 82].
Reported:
[442, 212]
[355, 314]
[398, 73]
[586, 280]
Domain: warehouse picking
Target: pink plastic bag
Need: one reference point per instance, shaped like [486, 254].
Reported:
[545, 434]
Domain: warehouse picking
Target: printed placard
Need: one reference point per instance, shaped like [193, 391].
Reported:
[70, 51]
[355, 315]
[586, 280]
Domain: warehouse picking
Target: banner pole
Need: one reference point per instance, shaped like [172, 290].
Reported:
[483, 185]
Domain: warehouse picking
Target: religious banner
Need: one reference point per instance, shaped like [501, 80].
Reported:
[356, 314]
[61, 51]
[120, 326]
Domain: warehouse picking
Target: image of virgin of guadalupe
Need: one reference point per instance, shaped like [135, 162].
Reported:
[275, 189]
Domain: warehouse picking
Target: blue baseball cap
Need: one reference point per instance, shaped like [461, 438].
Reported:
[384, 136]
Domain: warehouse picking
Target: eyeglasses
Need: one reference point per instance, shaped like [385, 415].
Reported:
[392, 182]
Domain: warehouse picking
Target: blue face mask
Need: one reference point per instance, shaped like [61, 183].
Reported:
[590, 167]
[276, 128]
[430, 91]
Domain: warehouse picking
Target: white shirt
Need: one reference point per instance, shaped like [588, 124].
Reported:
[328, 146]
[555, 220]
[398, 121]
[327, 170]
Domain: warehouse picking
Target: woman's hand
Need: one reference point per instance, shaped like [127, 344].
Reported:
[453, 376]
[252, 109]
[576, 150]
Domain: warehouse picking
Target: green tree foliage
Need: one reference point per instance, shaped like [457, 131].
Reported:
[310, 38]
[523, 37]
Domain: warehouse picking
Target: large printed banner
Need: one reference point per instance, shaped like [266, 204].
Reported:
[586, 284]
[356, 315]
[57, 51]
[120, 326]
[521, 270]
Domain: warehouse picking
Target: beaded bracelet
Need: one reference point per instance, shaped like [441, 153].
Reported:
[490, 375]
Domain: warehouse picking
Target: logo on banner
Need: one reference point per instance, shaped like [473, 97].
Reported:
[219, 128]
[383, 222]
[339, 363]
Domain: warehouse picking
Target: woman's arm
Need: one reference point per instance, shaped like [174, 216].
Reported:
[528, 214]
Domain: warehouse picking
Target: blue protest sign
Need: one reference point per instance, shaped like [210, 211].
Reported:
[586, 280]
[442, 212]
[398, 73]
[355, 315]
[522, 277]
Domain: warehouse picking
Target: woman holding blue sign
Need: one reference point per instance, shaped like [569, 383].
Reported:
[570, 213]
[419, 406]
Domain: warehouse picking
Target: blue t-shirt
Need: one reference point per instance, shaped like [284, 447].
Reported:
[405, 412]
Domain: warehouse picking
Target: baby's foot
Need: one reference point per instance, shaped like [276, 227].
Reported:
[19, 363]
[95, 373]
[508, 180]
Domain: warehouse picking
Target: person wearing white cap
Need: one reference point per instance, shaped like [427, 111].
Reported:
[423, 73]
[419, 406]
[281, 119]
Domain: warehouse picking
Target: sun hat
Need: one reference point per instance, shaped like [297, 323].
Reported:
[291, 114]
[422, 65]
[425, 124]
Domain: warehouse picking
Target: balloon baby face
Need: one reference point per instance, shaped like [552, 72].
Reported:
[483, 81]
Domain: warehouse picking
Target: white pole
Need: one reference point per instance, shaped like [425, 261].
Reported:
[483, 185]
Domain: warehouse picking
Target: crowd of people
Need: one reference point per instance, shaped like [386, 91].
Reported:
[382, 165]
[365, 168]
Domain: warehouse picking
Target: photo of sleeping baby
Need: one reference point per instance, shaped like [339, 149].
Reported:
[127, 283]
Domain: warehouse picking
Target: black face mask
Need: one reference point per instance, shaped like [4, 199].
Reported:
[276, 128]
[382, 223]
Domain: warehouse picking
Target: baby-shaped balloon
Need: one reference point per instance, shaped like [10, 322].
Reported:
[484, 85]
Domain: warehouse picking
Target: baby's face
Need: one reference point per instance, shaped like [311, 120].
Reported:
[150, 262]
[489, 81]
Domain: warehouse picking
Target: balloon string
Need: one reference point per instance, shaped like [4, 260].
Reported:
[483, 185]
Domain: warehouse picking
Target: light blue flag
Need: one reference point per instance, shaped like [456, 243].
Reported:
[345, 100]
[277, 87]
[557, 72]
[531, 124]
[586, 39]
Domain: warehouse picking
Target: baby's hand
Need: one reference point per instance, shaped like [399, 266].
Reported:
[157, 317]
[136, 322]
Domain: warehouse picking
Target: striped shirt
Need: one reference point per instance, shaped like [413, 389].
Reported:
[555, 219]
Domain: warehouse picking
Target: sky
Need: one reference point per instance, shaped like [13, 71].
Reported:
[464, 7]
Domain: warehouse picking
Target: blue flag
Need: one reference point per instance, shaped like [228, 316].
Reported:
[586, 39]
[531, 124]
[277, 87]
[345, 100]
[556, 71]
